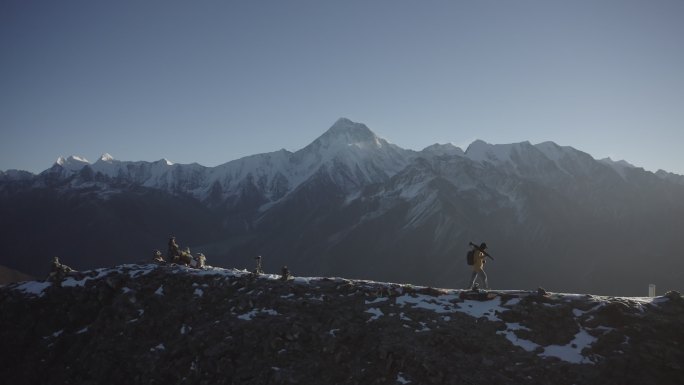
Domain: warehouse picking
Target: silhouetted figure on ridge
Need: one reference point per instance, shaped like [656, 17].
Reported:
[479, 255]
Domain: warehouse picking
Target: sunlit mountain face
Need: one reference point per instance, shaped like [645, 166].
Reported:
[353, 204]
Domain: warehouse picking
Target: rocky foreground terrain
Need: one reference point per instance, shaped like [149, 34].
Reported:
[161, 324]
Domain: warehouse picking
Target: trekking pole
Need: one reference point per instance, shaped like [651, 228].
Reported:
[483, 252]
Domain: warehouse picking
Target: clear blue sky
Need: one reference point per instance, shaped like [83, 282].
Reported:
[212, 81]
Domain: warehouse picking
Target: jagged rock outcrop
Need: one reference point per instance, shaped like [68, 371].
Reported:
[161, 324]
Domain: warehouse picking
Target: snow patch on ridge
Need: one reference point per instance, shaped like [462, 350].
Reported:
[572, 351]
[33, 287]
[376, 312]
[251, 314]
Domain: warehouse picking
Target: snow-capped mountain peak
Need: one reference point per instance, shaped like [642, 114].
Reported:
[347, 133]
[107, 165]
[106, 157]
[72, 163]
[345, 140]
[350, 153]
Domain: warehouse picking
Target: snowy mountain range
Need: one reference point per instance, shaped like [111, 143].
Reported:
[351, 203]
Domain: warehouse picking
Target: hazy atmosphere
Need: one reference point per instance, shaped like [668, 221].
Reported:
[354, 192]
[211, 81]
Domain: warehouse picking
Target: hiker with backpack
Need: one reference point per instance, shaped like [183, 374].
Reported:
[477, 258]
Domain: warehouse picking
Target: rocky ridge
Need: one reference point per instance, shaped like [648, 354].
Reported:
[148, 323]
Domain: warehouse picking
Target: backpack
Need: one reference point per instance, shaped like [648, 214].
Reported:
[470, 257]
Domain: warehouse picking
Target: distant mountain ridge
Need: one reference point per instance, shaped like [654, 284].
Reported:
[298, 166]
[351, 203]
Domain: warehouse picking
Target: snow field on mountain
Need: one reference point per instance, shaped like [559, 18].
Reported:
[349, 152]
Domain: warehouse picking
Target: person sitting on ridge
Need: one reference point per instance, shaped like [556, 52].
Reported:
[58, 271]
[174, 250]
[199, 261]
[285, 274]
[184, 257]
[158, 258]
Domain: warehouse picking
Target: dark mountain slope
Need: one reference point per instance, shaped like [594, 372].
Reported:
[9, 275]
[92, 230]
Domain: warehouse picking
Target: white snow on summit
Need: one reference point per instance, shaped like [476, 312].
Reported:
[150, 174]
[351, 156]
[72, 163]
[347, 133]
[349, 152]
